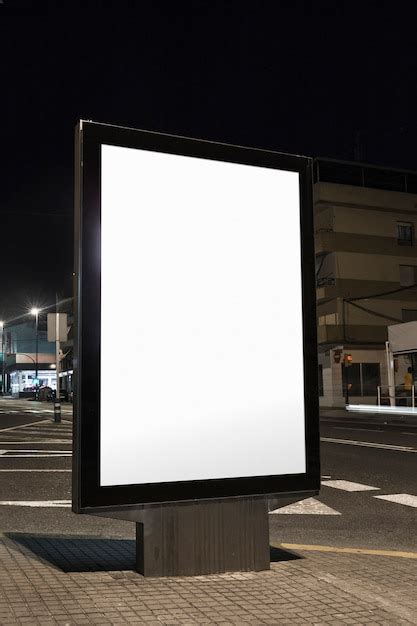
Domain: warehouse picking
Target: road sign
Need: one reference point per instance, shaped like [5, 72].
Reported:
[210, 389]
[62, 325]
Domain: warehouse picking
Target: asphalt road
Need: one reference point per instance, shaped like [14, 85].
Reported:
[360, 518]
[35, 468]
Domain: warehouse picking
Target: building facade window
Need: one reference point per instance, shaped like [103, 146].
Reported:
[405, 233]
[408, 275]
[363, 379]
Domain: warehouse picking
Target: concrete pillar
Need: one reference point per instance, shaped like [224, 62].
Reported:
[332, 382]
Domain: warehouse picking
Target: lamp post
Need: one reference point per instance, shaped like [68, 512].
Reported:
[35, 312]
[2, 359]
[348, 362]
[28, 356]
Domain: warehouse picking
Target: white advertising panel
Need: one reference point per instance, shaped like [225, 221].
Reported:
[201, 320]
[403, 337]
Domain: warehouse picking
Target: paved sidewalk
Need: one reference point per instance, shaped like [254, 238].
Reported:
[81, 580]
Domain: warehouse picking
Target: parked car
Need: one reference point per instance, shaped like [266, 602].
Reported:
[63, 395]
[42, 393]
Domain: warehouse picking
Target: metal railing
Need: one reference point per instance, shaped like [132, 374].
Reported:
[399, 393]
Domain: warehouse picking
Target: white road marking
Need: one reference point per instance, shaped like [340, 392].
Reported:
[42, 433]
[347, 485]
[33, 456]
[3, 430]
[50, 425]
[36, 503]
[310, 506]
[369, 444]
[15, 443]
[401, 498]
[366, 430]
[326, 476]
[39, 411]
[35, 470]
[409, 433]
[45, 428]
[34, 450]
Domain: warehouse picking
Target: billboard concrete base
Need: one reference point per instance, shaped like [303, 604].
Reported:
[200, 537]
[203, 538]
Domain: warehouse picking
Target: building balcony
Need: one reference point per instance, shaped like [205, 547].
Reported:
[327, 241]
[361, 334]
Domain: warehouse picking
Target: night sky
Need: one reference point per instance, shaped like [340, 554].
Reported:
[315, 78]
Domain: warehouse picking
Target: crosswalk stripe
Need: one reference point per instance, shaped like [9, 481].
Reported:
[33, 469]
[369, 444]
[21, 426]
[39, 441]
[347, 485]
[310, 506]
[400, 498]
[48, 431]
[36, 433]
[37, 503]
[33, 450]
[34, 456]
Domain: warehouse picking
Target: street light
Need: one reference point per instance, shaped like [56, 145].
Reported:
[34, 311]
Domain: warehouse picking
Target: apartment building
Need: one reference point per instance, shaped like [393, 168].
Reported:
[366, 269]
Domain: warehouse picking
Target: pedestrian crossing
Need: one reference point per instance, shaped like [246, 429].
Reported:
[400, 498]
[41, 439]
[46, 439]
[43, 429]
[313, 506]
[347, 485]
[66, 410]
[310, 506]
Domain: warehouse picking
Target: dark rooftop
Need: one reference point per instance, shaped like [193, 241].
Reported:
[364, 175]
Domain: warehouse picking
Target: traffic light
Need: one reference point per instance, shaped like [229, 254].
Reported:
[348, 360]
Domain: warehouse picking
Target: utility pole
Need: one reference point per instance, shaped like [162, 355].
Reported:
[35, 312]
[57, 332]
[37, 347]
[390, 373]
[348, 362]
[3, 385]
[57, 405]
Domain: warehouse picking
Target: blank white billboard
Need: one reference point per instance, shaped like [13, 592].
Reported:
[201, 320]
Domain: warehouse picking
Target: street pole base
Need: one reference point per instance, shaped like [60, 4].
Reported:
[57, 412]
[191, 539]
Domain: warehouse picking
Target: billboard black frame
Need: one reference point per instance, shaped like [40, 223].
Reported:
[88, 495]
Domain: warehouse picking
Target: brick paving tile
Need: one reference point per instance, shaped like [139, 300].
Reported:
[321, 588]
